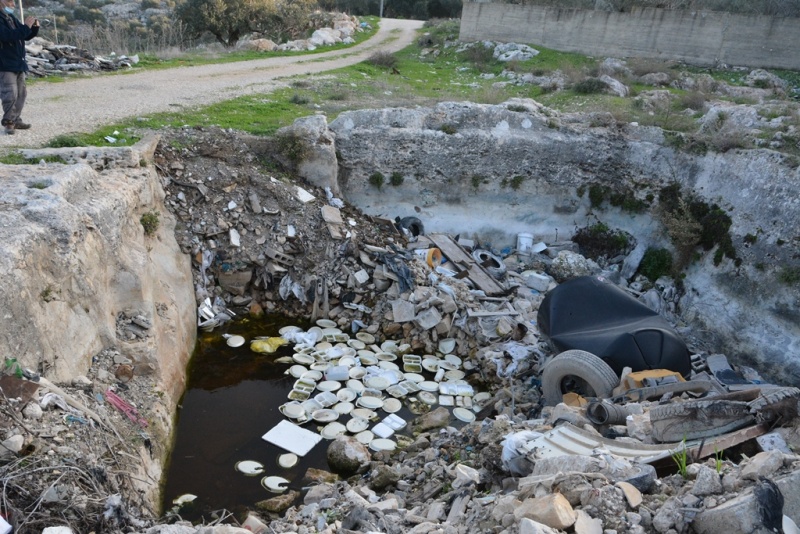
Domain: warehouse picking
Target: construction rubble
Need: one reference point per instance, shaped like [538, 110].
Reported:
[636, 451]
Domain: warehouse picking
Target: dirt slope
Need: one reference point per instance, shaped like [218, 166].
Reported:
[84, 104]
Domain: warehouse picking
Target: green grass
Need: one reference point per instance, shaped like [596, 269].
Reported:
[415, 80]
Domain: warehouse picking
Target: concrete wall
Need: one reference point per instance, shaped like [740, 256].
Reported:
[701, 38]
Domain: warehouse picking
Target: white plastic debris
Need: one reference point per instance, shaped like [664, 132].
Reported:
[292, 438]
[465, 475]
[514, 448]
[235, 239]
[304, 196]
[332, 200]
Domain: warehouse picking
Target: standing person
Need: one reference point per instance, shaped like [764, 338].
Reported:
[13, 67]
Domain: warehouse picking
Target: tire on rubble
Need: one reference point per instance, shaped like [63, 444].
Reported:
[580, 372]
[698, 419]
[413, 225]
[493, 264]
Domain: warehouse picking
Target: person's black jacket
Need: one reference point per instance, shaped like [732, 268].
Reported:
[13, 35]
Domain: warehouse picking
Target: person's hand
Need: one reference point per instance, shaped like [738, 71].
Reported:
[31, 22]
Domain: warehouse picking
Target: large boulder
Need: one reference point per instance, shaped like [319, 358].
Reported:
[347, 456]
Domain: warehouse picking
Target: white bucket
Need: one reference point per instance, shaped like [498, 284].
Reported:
[524, 243]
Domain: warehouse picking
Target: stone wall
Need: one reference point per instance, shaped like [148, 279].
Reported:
[697, 37]
[464, 183]
[75, 260]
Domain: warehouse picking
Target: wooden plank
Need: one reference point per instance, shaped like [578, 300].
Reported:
[459, 257]
[720, 443]
[471, 313]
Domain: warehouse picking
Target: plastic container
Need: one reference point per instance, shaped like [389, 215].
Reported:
[524, 243]
[433, 256]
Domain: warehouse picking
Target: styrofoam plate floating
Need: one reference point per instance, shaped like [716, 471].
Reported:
[331, 430]
[453, 359]
[357, 372]
[365, 437]
[356, 344]
[235, 341]
[392, 405]
[377, 382]
[303, 358]
[287, 460]
[464, 415]
[329, 385]
[446, 346]
[325, 415]
[250, 467]
[372, 403]
[275, 484]
[326, 323]
[344, 408]
[427, 397]
[289, 329]
[382, 444]
[293, 410]
[297, 370]
[428, 385]
[365, 337]
[357, 424]
[346, 395]
[364, 413]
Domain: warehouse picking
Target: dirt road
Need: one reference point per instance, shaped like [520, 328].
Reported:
[84, 104]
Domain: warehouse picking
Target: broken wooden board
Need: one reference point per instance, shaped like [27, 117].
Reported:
[501, 313]
[466, 263]
[333, 218]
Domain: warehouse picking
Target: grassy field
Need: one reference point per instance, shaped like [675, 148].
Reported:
[437, 68]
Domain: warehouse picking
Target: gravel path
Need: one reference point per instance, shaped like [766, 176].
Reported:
[84, 104]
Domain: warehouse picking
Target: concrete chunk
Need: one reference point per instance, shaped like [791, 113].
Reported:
[428, 319]
[553, 510]
[402, 311]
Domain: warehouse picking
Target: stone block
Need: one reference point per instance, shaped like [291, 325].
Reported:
[552, 510]
[428, 319]
[235, 282]
[402, 311]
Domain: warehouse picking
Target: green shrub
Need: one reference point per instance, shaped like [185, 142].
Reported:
[790, 276]
[150, 222]
[384, 60]
[65, 140]
[449, 129]
[516, 182]
[293, 147]
[396, 179]
[299, 100]
[600, 240]
[590, 86]
[376, 179]
[597, 195]
[657, 262]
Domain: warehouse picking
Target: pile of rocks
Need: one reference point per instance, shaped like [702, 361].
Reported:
[47, 58]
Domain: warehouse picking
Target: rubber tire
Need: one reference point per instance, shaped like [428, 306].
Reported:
[481, 255]
[672, 423]
[413, 225]
[597, 374]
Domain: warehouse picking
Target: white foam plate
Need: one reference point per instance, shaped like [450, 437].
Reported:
[250, 467]
[297, 370]
[373, 403]
[392, 405]
[365, 337]
[331, 331]
[414, 377]
[428, 385]
[357, 372]
[344, 408]
[293, 410]
[427, 397]
[453, 359]
[306, 359]
[329, 385]
[365, 437]
[325, 416]
[464, 415]
[357, 424]
[356, 344]
[346, 395]
[287, 460]
[326, 323]
[377, 382]
[363, 413]
[389, 366]
[275, 484]
[356, 386]
[331, 430]
[289, 329]
[389, 346]
[431, 364]
[382, 444]
[386, 356]
[235, 341]
[455, 374]
[312, 375]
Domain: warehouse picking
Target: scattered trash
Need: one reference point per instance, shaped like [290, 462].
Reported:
[124, 407]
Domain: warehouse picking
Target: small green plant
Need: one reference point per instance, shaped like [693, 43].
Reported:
[396, 179]
[476, 180]
[48, 294]
[681, 458]
[299, 100]
[516, 182]
[384, 60]
[65, 140]
[376, 179]
[449, 129]
[718, 459]
[657, 262]
[14, 367]
[150, 222]
[293, 147]
[750, 239]
[38, 185]
[519, 108]
[789, 276]
[590, 86]
[597, 195]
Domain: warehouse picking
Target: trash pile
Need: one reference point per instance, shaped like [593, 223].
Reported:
[47, 58]
[522, 419]
[635, 396]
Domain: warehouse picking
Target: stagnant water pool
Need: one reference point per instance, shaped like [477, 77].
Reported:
[231, 400]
